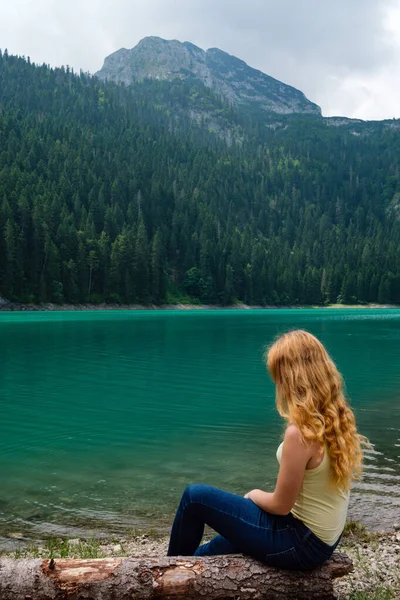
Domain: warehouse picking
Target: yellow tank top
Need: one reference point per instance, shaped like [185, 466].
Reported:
[320, 505]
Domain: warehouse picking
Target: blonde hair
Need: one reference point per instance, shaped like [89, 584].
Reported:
[309, 393]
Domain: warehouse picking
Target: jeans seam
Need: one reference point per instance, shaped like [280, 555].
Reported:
[239, 518]
[282, 552]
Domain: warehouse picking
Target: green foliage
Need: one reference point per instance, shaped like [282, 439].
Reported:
[175, 296]
[194, 283]
[116, 194]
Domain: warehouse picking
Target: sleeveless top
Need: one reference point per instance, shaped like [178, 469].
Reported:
[320, 505]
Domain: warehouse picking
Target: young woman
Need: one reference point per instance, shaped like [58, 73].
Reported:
[299, 524]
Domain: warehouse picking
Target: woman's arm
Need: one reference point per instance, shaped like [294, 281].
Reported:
[295, 456]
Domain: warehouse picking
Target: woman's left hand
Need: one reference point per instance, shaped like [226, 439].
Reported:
[295, 456]
[248, 495]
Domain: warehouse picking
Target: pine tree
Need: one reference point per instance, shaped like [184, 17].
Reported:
[141, 263]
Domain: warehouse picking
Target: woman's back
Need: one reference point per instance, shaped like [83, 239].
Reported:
[321, 505]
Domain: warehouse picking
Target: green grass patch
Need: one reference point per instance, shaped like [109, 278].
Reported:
[354, 530]
[61, 548]
[380, 593]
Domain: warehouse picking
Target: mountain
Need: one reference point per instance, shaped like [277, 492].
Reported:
[116, 194]
[226, 75]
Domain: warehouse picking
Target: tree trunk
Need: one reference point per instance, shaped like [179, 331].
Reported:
[190, 578]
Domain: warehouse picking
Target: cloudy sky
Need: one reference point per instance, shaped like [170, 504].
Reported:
[343, 54]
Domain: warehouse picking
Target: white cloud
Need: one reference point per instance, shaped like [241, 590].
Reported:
[374, 95]
[344, 55]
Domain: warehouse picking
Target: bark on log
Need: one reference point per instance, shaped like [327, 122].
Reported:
[188, 578]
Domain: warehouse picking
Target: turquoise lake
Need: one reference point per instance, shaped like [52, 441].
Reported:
[106, 416]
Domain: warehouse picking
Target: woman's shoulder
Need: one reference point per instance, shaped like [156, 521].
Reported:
[292, 433]
[293, 437]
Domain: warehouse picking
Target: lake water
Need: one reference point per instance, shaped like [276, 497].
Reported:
[107, 416]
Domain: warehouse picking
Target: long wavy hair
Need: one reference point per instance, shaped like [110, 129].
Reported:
[309, 393]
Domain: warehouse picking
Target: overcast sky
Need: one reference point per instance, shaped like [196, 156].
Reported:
[343, 54]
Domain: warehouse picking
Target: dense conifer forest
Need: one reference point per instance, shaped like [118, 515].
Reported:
[160, 192]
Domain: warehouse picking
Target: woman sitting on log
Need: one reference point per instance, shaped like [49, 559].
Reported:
[300, 523]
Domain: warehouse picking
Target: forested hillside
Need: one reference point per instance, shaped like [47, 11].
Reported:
[118, 194]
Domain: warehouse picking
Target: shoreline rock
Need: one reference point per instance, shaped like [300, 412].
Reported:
[376, 568]
[7, 306]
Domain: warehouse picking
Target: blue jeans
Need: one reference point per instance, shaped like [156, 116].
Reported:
[279, 541]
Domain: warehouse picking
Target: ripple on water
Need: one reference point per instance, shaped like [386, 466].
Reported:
[106, 417]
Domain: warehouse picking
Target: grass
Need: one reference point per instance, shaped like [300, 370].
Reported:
[84, 548]
[380, 593]
[60, 548]
[355, 531]
[356, 536]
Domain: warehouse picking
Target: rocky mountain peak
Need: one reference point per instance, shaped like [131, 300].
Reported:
[226, 75]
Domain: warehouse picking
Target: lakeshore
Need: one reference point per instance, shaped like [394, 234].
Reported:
[21, 307]
[376, 557]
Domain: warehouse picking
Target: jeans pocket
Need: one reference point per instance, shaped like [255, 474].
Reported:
[288, 559]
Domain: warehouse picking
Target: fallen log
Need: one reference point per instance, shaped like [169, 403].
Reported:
[188, 578]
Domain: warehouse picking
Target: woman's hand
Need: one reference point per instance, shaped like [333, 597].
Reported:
[252, 494]
[295, 456]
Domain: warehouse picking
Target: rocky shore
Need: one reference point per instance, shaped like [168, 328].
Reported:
[9, 305]
[25, 307]
[376, 558]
